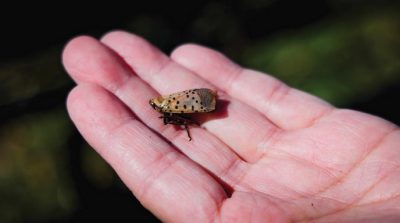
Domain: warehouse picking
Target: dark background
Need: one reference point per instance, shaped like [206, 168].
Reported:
[347, 52]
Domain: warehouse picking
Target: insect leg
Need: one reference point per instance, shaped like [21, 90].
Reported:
[188, 133]
[185, 120]
[185, 123]
[172, 120]
[177, 120]
[189, 121]
[167, 118]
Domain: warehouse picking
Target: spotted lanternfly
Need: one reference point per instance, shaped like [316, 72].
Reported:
[185, 102]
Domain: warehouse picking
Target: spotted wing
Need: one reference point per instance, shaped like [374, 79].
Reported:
[191, 101]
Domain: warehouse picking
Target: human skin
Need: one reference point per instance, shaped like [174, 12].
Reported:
[270, 154]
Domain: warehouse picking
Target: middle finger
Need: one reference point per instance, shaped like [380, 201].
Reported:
[244, 129]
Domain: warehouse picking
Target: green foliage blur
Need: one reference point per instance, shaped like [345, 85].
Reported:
[350, 54]
[338, 59]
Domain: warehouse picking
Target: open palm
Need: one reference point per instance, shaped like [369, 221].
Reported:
[269, 153]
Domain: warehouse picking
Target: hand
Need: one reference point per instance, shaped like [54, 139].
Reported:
[276, 154]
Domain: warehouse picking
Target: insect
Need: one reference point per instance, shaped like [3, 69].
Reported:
[176, 105]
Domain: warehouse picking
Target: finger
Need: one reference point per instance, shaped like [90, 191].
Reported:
[88, 61]
[165, 181]
[286, 107]
[106, 69]
[241, 123]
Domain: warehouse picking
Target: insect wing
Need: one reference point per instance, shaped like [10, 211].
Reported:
[190, 101]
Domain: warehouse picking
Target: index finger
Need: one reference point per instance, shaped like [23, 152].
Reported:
[167, 182]
[287, 107]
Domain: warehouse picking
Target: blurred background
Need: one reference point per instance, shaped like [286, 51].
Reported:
[345, 51]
